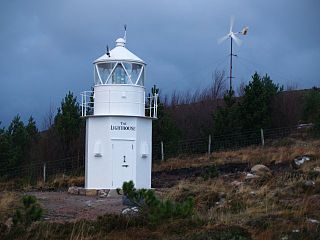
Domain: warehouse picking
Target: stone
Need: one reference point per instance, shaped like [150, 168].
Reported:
[313, 221]
[103, 193]
[9, 223]
[130, 211]
[89, 203]
[236, 183]
[261, 170]
[309, 183]
[300, 160]
[73, 190]
[317, 169]
[251, 176]
[91, 192]
[82, 191]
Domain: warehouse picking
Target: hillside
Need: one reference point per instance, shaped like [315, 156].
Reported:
[232, 200]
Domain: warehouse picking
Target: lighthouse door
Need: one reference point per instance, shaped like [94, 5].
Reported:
[122, 160]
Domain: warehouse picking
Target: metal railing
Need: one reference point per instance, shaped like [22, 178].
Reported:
[87, 104]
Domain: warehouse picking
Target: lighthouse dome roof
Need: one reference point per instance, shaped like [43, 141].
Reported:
[119, 53]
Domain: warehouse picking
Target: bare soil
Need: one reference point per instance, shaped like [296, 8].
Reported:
[61, 206]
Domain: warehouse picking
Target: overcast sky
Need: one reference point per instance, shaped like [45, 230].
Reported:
[47, 47]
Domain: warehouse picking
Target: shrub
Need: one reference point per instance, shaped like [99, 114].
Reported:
[30, 212]
[155, 209]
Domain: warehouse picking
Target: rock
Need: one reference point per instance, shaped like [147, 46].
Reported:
[300, 160]
[82, 191]
[313, 221]
[130, 211]
[89, 203]
[103, 193]
[9, 223]
[261, 170]
[73, 190]
[251, 176]
[317, 169]
[91, 192]
[309, 183]
[236, 183]
[221, 201]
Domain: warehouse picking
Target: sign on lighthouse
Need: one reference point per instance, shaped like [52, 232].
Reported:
[118, 122]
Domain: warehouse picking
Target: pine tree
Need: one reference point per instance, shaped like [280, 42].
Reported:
[18, 138]
[226, 119]
[68, 121]
[164, 128]
[256, 103]
[4, 151]
[32, 131]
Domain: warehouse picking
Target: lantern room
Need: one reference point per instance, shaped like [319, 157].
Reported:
[119, 66]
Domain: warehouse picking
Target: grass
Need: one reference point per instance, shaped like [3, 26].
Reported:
[251, 155]
[279, 206]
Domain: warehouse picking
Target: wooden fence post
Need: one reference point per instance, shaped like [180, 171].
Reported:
[162, 151]
[44, 172]
[262, 137]
[209, 145]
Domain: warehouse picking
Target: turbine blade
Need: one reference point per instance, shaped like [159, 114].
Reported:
[231, 23]
[236, 39]
[220, 40]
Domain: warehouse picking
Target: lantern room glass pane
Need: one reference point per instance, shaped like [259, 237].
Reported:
[105, 70]
[136, 69]
[119, 75]
[96, 77]
[141, 79]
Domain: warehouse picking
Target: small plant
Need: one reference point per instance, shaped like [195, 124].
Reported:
[30, 212]
[156, 209]
[211, 172]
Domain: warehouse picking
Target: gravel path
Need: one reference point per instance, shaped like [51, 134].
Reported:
[61, 206]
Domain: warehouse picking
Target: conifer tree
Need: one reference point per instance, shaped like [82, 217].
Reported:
[67, 122]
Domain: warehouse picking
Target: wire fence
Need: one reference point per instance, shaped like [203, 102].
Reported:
[163, 150]
[75, 165]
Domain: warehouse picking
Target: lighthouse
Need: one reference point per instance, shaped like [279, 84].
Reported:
[118, 115]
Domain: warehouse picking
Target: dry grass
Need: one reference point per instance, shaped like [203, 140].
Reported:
[8, 204]
[269, 207]
[251, 155]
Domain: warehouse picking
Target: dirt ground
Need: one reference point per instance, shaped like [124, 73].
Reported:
[61, 206]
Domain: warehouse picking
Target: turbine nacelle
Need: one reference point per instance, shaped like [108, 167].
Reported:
[232, 34]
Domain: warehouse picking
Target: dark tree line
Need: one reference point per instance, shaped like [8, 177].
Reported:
[262, 104]
[23, 146]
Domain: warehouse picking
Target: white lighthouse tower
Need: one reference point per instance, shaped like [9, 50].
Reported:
[118, 122]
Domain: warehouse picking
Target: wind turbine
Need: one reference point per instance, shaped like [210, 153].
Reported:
[233, 37]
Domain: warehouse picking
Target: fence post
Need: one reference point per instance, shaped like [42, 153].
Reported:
[162, 152]
[262, 137]
[209, 145]
[44, 172]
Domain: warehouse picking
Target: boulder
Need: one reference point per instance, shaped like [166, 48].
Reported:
[301, 160]
[9, 223]
[130, 211]
[261, 170]
[251, 176]
[73, 190]
[82, 191]
[236, 183]
[91, 192]
[103, 193]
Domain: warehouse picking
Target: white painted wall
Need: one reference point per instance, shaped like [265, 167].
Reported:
[110, 140]
[118, 99]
